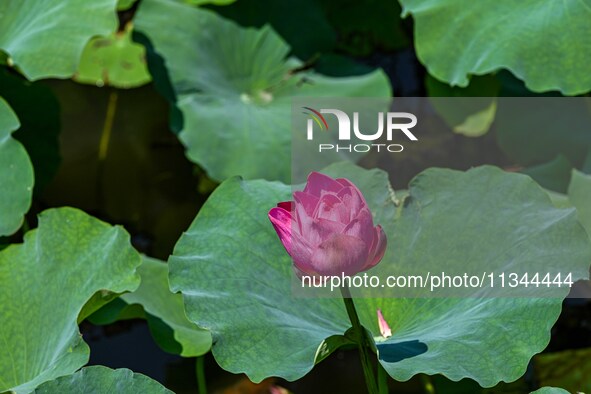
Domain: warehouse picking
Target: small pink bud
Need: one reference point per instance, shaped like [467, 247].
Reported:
[384, 327]
[328, 229]
[277, 390]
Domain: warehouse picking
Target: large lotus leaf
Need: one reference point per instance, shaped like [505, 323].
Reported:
[45, 282]
[114, 60]
[46, 38]
[457, 38]
[16, 174]
[236, 279]
[235, 94]
[39, 114]
[103, 380]
[156, 298]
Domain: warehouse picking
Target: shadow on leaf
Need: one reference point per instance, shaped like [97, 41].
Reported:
[395, 352]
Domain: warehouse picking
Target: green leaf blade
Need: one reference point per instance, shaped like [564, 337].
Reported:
[236, 280]
[103, 380]
[299, 331]
[45, 39]
[459, 38]
[114, 60]
[45, 282]
[235, 94]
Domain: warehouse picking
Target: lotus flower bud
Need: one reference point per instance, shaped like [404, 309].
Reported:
[383, 325]
[328, 229]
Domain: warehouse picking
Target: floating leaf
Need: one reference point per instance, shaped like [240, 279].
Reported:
[458, 38]
[114, 60]
[235, 94]
[103, 380]
[45, 282]
[16, 174]
[236, 281]
[45, 39]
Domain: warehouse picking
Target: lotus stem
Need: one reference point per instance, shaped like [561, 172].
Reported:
[362, 342]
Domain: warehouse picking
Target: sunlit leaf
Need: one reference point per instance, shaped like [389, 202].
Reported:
[114, 60]
[236, 281]
[45, 282]
[459, 38]
[235, 94]
[103, 380]
[45, 38]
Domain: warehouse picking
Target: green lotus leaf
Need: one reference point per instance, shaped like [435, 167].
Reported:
[115, 61]
[16, 174]
[237, 280]
[458, 38]
[550, 390]
[103, 380]
[156, 298]
[235, 94]
[45, 39]
[45, 282]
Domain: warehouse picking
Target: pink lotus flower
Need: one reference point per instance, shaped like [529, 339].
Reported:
[328, 228]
